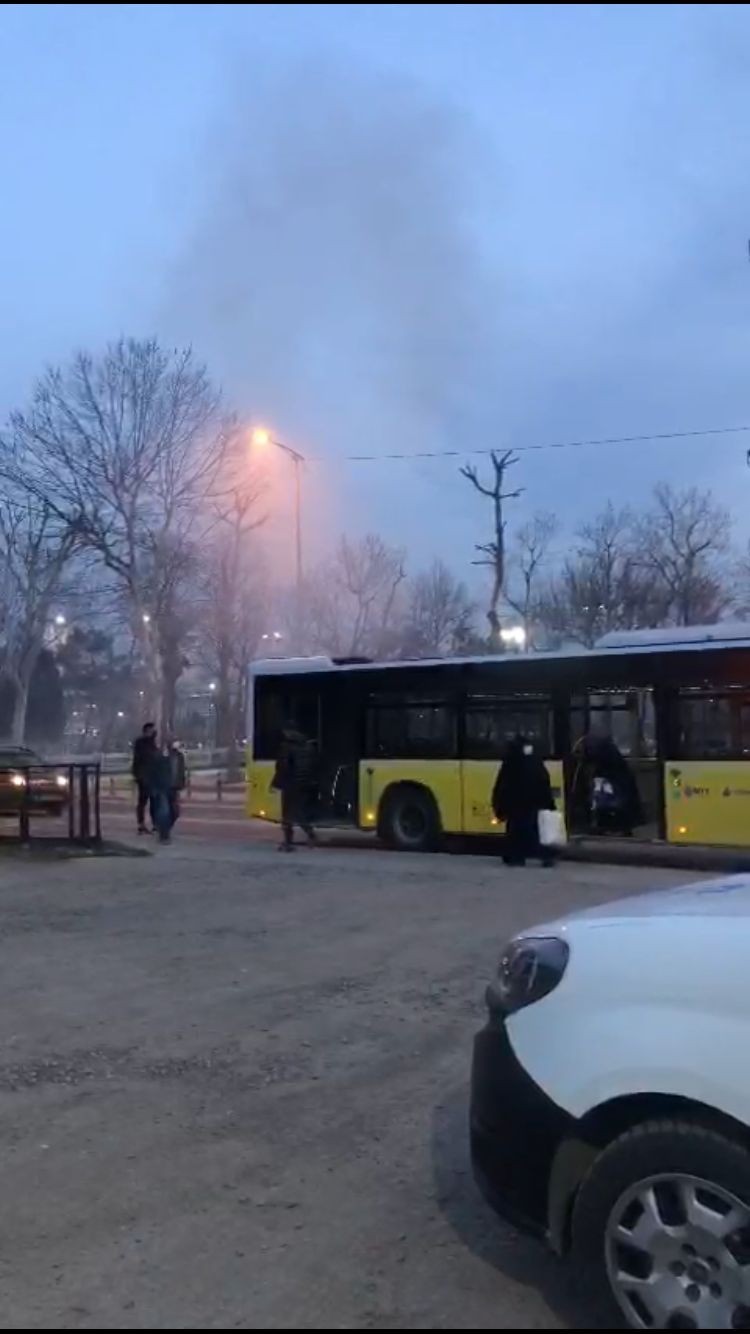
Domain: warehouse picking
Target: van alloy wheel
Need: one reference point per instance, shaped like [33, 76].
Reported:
[678, 1255]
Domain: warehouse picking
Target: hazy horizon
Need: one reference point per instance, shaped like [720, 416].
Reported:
[396, 228]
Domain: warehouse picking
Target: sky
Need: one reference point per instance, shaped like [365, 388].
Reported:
[398, 228]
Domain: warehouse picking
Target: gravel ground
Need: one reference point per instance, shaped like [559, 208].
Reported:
[233, 1090]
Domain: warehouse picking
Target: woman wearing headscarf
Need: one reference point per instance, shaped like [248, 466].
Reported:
[522, 789]
[615, 800]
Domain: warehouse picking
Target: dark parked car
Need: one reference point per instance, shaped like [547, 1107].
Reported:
[25, 777]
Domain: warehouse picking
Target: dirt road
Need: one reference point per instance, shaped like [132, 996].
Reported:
[232, 1090]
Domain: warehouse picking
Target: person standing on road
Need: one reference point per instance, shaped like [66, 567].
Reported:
[294, 779]
[144, 753]
[522, 789]
[160, 786]
[177, 780]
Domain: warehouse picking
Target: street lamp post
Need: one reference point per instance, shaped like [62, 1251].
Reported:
[262, 437]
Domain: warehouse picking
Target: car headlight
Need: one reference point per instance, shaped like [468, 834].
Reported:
[531, 967]
[18, 780]
[61, 780]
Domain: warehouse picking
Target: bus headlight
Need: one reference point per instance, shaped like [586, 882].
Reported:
[18, 780]
[61, 780]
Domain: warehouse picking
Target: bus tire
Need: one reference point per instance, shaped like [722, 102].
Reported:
[409, 819]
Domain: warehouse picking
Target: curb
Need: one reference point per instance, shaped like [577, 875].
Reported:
[626, 852]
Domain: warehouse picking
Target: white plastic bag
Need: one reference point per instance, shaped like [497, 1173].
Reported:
[552, 831]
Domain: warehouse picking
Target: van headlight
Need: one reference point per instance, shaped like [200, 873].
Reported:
[18, 780]
[531, 967]
[61, 780]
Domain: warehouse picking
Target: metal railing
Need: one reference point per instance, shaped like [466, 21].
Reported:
[119, 787]
[67, 791]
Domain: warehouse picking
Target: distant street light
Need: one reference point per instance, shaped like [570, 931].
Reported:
[212, 686]
[146, 618]
[262, 438]
[60, 619]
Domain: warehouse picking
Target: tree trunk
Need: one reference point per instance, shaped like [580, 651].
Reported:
[168, 702]
[236, 729]
[20, 706]
[241, 721]
[153, 700]
[496, 639]
[224, 729]
[224, 719]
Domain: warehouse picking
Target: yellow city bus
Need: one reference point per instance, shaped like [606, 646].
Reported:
[412, 749]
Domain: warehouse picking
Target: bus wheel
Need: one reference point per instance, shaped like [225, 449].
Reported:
[409, 819]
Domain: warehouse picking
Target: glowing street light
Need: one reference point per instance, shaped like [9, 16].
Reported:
[212, 686]
[146, 618]
[261, 437]
[60, 619]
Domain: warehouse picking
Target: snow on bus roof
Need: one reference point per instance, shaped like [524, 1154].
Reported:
[288, 666]
[684, 636]
[676, 639]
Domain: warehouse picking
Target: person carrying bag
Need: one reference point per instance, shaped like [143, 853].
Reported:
[522, 793]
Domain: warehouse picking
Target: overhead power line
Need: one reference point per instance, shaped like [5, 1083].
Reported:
[528, 449]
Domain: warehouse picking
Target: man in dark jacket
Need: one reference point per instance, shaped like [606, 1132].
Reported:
[522, 789]
[144, 753]
[295, 779]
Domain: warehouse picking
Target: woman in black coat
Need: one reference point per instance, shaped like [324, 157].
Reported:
[522, 789]
[613, 798]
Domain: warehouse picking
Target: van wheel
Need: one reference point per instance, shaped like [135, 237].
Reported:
[409, 819]
[661, 1229]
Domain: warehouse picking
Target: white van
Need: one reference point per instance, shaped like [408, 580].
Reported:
[611, 1101]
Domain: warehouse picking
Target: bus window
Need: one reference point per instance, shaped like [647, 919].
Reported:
[277, 703]
[411, 731]
[627, 717]
[744, 730]
[491, 724]
[269, 719]
[706, 728]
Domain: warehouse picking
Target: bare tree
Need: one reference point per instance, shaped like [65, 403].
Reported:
[740, 584]
[34, 553]
[529, 553]
[603, 584]
[370, 573]
[126, 447]
[493, 553]
[234, 604]
[439, 614]
[170, 590]
[350, 605]
[683, 541]
[306, 613]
